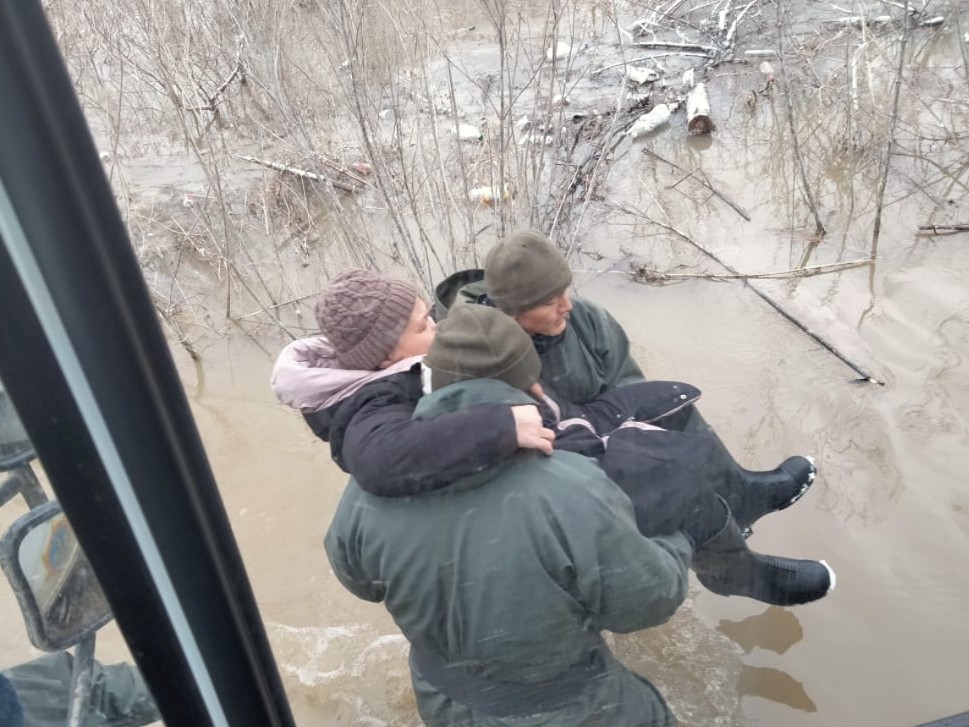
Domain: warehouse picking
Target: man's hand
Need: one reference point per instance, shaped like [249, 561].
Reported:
[531, 433]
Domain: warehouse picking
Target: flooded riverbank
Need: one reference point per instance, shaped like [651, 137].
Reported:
[234, 255]
[888, 512]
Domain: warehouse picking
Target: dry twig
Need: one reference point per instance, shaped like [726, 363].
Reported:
[355, 184]
[896, 91]
[937, 229]
[645, 274]
[788, 95]
[704, 181]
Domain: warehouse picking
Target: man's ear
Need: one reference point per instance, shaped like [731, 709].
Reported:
[384, 364]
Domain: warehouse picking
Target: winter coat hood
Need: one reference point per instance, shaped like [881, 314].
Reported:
[465, 286]
[307, 375]
[462, 395]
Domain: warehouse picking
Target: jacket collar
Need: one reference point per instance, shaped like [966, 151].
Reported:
[307, 375]
[460, 396]
[468, 393]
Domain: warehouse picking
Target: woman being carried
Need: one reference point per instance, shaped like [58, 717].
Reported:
[357, 387]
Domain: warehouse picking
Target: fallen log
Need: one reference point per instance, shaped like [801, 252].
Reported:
[640, 75]
[651, 121]
[492, 195]
[688, 80]
[350, 183]
[859, 21]
[698, 111]
[467, 132]
[960, 227]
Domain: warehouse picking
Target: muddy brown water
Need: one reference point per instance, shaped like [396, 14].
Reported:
[889, 511]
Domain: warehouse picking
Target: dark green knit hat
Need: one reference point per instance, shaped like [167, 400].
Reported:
[524, 270]
[479, 342]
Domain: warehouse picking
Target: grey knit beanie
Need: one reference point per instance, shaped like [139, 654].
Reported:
[362, 314]
[524, 270]
[479, 342]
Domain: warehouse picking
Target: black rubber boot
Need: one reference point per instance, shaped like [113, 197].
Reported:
[726, 566]
[767, 492]
[749, 494]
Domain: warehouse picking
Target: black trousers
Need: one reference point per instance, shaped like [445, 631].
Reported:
[656, 469]
[675, 475]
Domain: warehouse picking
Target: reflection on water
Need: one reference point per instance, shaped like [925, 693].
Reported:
[775, 685]
[776, 629]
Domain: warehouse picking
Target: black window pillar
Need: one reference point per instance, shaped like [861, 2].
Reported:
[86, 364]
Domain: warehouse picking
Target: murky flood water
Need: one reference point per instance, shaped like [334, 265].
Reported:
[889, 511]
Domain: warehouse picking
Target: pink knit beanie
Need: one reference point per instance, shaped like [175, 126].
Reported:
[362, 314]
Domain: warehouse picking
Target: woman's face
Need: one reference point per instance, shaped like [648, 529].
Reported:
[416, 338]
[547, 319]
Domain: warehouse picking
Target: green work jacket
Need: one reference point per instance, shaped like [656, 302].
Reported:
[512, 573]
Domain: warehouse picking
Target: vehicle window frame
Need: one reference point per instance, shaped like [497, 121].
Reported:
[86, 364]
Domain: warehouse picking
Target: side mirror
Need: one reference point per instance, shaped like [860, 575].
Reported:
[59, 595]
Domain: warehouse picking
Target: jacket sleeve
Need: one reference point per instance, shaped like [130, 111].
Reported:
[625, 580]
[390, 454]
[344, 555]
[612, 348]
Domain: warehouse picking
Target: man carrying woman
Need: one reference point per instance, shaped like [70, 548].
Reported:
[585, 353]
[502, 580]
[357, 387]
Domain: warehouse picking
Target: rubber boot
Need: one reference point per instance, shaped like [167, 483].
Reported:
[777, 489]
[749, 494]
[726, 566]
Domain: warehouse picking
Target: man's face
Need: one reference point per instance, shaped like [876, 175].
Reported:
[549, 318]
[416, 338]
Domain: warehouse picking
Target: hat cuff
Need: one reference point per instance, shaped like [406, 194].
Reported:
[532, 301]
[520, 373]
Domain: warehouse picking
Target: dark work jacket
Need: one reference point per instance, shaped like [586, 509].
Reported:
[661, 470]
[590, 362]
[511, 574]
[372, 436]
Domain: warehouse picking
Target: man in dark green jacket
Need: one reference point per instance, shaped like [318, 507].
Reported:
[503, 581]
[585, 353]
